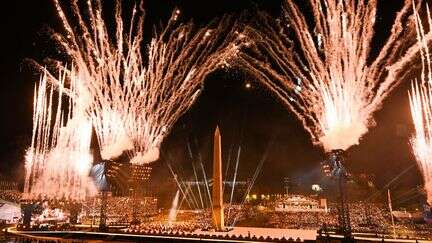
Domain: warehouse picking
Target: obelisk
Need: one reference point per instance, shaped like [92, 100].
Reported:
[218, 210]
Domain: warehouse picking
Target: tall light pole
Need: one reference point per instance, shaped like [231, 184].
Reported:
[335, 165]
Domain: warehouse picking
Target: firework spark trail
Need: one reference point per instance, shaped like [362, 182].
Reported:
[134, 99]
[35, 154]
[324, 72]
[420, 97]
[59, 159]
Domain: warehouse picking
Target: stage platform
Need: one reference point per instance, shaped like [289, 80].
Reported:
[248, 234]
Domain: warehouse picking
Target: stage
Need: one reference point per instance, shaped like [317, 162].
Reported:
[256, 235]
[237, 234]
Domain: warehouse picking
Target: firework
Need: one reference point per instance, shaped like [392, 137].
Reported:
[323, 70]
[133, 100]
[420, 97]
[59, 159]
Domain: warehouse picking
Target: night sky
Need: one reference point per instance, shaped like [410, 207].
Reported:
[252, 118]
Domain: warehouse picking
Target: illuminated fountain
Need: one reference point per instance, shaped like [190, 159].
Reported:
[133, 100]
[420, 97]
[59, 159]
[323, 71]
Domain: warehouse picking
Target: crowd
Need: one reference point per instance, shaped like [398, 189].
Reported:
[189, 221]
[10, 195]
[185, 221]
[120, 210]
[162, 227]
[365, 217]
[369, 217]
[301, 220]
